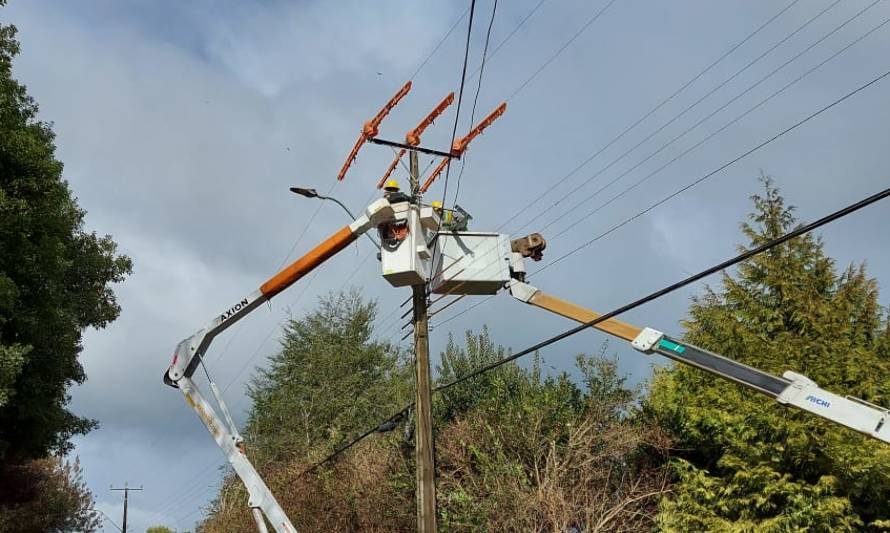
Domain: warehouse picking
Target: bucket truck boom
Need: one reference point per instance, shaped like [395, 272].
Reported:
[789, 389]
[189, 353]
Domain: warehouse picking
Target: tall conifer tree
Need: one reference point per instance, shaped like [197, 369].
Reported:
[747, 463]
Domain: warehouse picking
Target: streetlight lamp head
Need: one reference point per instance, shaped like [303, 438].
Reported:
[308, 193]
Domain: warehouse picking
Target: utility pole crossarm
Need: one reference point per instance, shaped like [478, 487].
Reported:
[126, 490]
[790, 389]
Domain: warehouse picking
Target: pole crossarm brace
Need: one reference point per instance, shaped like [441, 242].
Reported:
[190, 351]
[412, 148]
[790, 389]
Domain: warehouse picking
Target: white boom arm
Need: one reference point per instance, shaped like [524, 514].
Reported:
[790, 389]
[190, 351]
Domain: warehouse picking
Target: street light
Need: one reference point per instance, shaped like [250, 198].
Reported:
[312, 193]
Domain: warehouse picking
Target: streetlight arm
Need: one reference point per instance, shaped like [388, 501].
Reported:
[338, 202]
[348, 212]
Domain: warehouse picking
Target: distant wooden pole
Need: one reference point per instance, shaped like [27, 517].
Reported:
[126, 490]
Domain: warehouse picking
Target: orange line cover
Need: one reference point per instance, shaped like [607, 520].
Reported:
[435, 174]
[392, 167]
[461, 144]
[413, 136]
[370, 128]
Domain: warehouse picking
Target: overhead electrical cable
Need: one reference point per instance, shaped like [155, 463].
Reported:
[799, 231]
[561, 49]
[664, 146]
[699, 143]
[460, 97]
[637, 122]
[725, 105]
[507, 38]
[662, 103]
[463, 161]
[440, 43]
[705, 177]
[666, 100]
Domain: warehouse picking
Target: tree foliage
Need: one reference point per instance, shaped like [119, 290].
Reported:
[45, 495]
[750, 464]
[515, 450]
[54, 279]
[329, 379]
[160, 529]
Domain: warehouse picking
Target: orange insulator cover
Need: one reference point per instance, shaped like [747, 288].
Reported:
[371, 128]
[392, 167]
[457, 149]
[378, 118]
[413, 136]
[435, 174]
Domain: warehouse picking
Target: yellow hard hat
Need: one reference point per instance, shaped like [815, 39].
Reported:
[436, 204]
[391, 185]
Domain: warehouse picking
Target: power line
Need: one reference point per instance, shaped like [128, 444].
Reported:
[441, 42]
[698, 101]
[718, 169]
[694, 183]
[702, 141]
[638, 121]
[801, 230]
[562, 49]
[731, 122]
[649, 113]
[666, 100]
[460, 97]
[714, 112]
[508, 37]
[494, 10]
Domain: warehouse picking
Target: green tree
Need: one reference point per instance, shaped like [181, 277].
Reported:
[45, 495]
[160, 529]
[54, 279]
[750, 464]
[517, 450]
[329, 380]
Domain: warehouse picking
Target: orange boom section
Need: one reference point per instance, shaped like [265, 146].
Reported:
[308, 262]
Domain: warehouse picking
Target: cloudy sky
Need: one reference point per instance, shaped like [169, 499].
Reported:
[182, 124]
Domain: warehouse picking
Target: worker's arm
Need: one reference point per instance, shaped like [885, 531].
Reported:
[190, 350]
[790, 389]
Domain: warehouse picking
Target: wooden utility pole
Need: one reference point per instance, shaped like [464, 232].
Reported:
[126, 490]
[423, 435]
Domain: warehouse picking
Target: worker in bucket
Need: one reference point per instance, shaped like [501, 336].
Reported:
[447, 217]
[392, 193]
